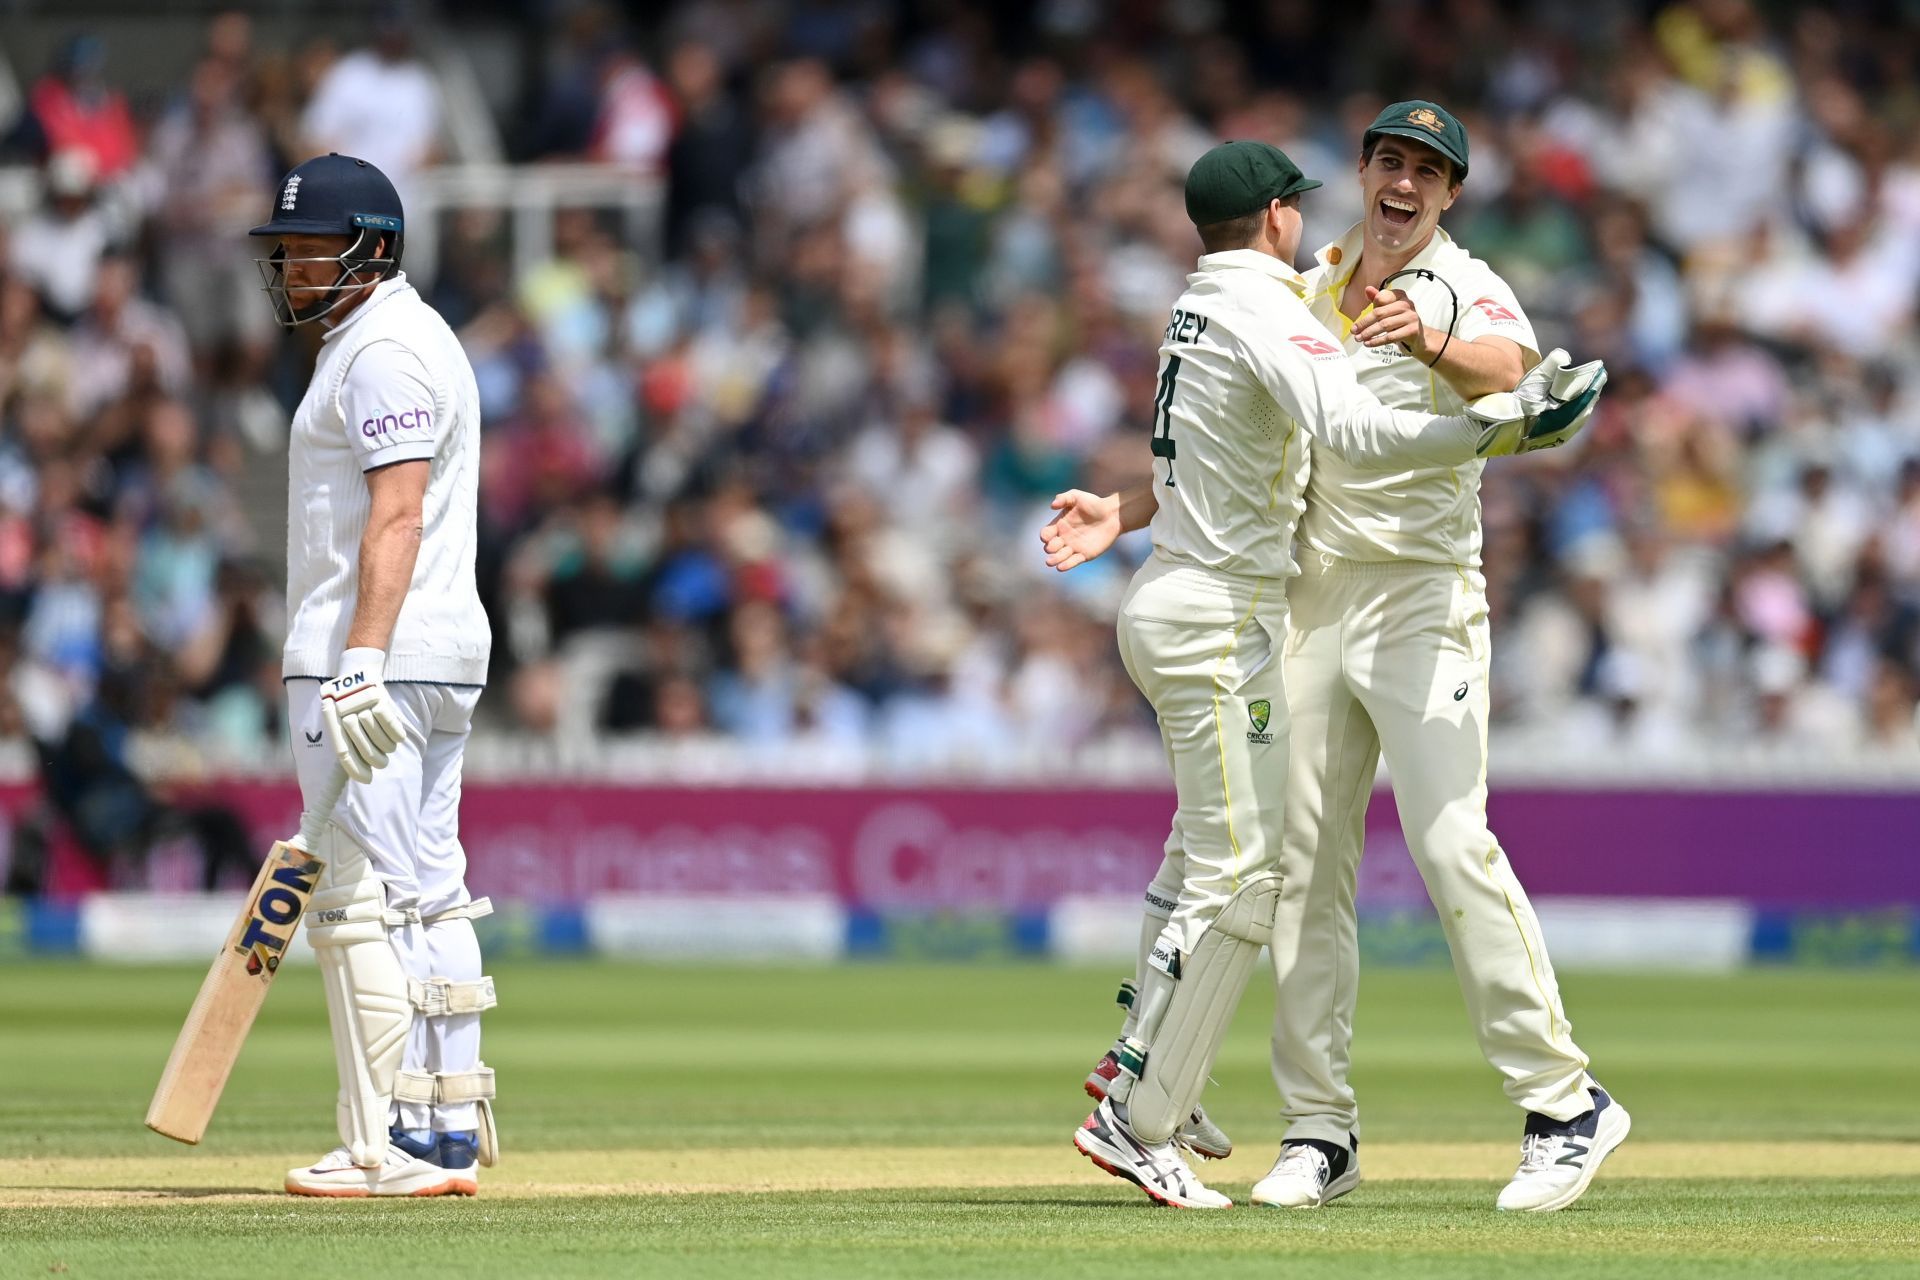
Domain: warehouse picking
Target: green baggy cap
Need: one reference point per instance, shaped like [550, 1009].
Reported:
[1236, 178]
[1427, 122]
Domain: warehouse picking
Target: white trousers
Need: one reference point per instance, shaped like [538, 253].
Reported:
[1394, 658]
[408, 821]
[1205, 650]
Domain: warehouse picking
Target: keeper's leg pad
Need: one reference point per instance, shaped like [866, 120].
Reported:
[439, 1088]
[1184, 1008]
[368, 1007]
[1161, 897]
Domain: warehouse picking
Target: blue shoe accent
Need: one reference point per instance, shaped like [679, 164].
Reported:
[458, 1150]
[418, 1148]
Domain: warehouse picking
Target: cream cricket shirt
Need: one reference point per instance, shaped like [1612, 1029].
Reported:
[1244, 370]
[1431, 513]
[392, 384]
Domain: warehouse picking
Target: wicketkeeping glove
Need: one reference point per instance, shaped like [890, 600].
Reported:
[1548, 408]
[363, 722]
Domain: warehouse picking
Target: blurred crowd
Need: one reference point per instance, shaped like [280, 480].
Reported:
[772, 473]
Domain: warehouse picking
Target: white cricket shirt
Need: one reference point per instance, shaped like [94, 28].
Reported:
[1429, 513]
[392, 384]
[1244, 369]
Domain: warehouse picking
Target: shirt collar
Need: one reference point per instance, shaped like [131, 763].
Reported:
[381, 292]
[1343, 255]
[1254, 260]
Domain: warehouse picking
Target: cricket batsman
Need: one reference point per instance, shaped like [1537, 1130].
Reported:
[385, 658]
[1246, 376]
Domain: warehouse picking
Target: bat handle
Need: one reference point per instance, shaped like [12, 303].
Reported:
[315, 815]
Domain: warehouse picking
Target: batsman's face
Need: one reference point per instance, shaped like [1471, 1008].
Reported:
[307, 282]
[1406, 188]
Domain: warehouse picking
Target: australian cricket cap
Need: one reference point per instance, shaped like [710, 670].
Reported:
[1236, 178]
[1427, 122]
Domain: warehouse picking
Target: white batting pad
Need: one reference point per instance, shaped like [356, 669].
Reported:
[368, 1008]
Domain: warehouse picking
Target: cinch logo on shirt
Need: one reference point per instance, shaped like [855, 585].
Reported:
[1313, 346]
[409, 420]
[1494, 311]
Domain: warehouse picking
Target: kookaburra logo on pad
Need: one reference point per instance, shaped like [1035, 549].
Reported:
[292, 190]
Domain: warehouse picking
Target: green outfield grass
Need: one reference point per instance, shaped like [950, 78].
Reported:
[913, 1121]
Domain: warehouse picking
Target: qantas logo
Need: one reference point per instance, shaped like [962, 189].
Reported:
[1492, 310]
[1313, 346]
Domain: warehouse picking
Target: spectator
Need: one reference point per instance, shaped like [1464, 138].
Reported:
[58, 249]
[215, 174]
[771, 476]
[707, 158]
[72, 110]
[380, 104]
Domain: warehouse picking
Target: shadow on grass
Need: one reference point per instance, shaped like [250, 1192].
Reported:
[164, 1193]
[1051, 1202]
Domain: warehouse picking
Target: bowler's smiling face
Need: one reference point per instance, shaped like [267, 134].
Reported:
[1407, 186]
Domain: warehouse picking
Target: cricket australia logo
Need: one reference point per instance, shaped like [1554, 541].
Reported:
[1258, 715]
[1426, 119]
[291, 191]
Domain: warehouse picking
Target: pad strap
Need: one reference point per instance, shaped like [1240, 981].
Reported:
[478, 909]
[438, 1087]
[437, 997]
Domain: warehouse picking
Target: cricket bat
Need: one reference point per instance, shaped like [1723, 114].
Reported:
[236, 986]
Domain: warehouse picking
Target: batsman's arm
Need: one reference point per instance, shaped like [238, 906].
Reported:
[361, 718]
[389, 548]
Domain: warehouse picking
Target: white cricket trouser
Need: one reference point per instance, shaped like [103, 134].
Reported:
[1204, 648]
[1395, 657]
[408, 821]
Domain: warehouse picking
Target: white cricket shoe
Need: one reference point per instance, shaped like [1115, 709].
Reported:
[1558, 1158]
[1199, 1134]
[1306, 1176]
[401, 1173]
[1156, 1167]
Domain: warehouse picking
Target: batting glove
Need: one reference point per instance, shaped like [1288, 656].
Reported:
[1547, 409]
[363, 722]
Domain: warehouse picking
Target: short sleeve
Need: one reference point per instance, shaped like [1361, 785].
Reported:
[1493, 312]
[387, 404]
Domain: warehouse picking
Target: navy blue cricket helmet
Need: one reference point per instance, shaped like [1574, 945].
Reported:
[333, 195]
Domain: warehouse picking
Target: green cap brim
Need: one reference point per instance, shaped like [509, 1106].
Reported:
[1426, 138]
